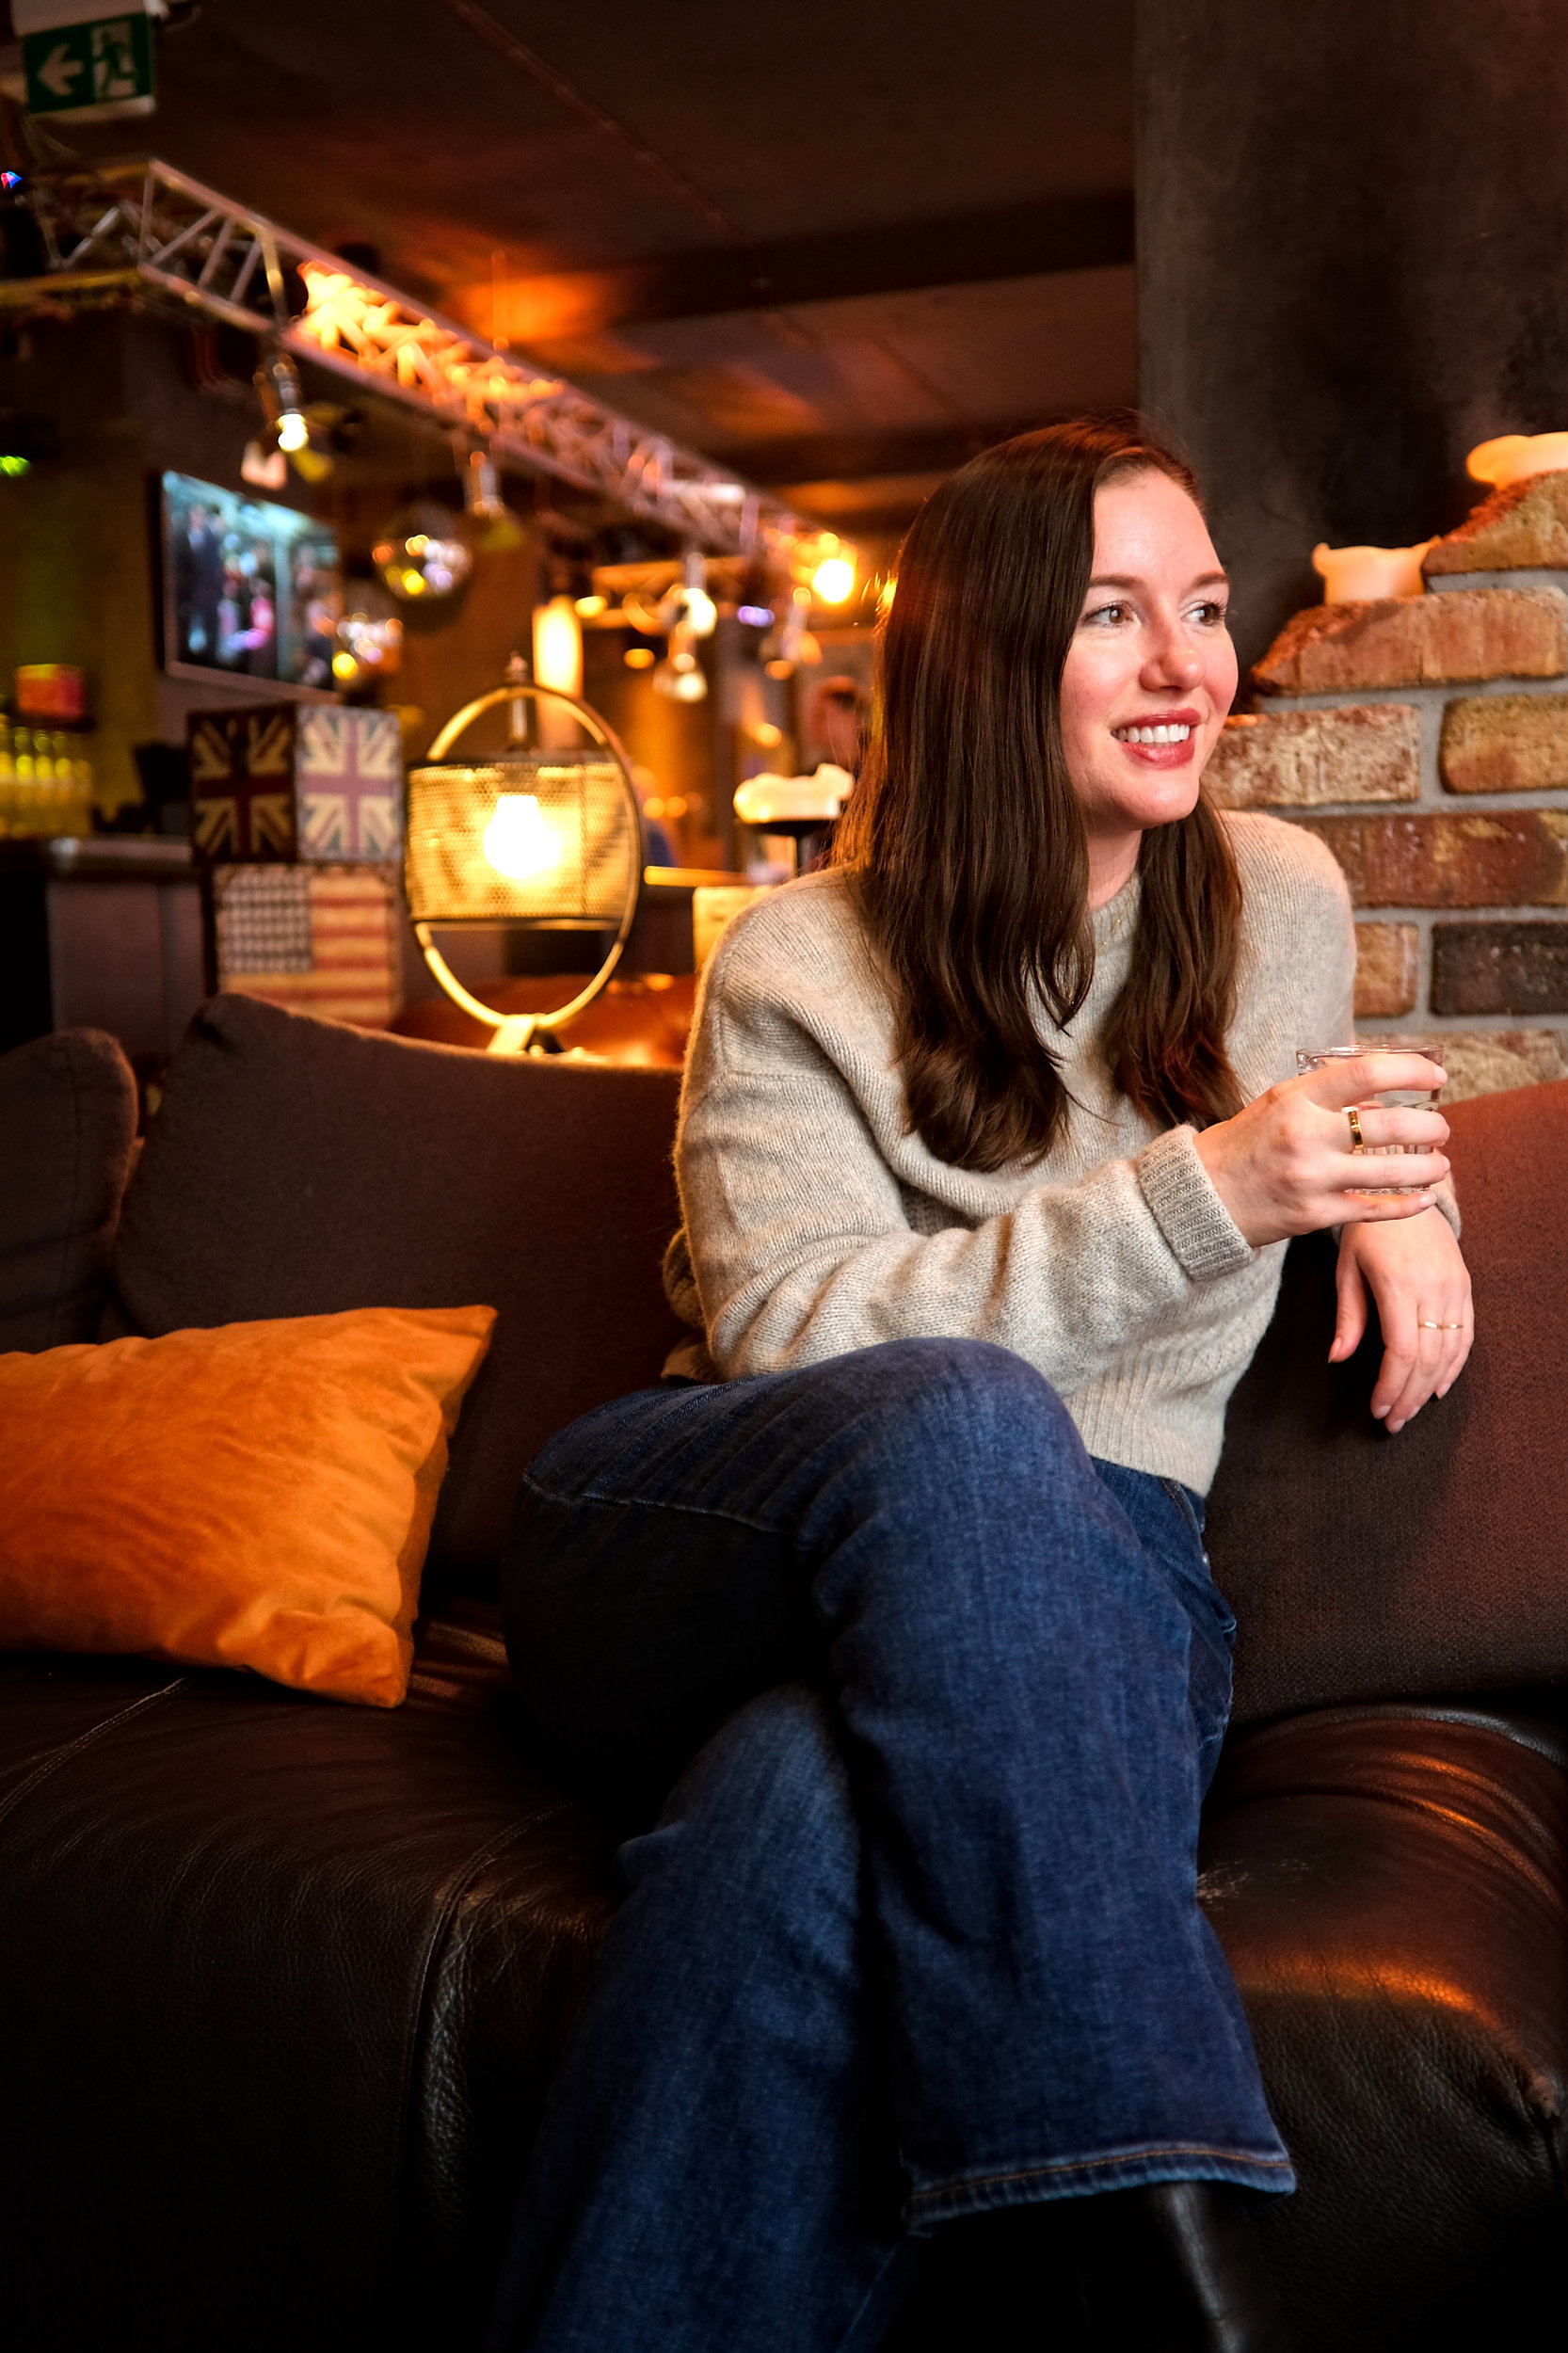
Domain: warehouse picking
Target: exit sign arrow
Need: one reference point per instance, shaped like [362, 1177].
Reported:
[58, 71]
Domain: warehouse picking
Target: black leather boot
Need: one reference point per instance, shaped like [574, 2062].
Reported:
[1176, 2269]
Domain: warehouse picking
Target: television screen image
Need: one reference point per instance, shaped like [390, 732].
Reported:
[250, 589]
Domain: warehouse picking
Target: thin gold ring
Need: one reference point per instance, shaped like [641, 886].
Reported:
[1355, 1118]
[1423, 1324]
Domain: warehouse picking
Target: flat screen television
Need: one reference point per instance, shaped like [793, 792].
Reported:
[251, 590]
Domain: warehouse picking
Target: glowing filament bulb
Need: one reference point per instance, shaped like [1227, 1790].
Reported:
[518, 842]
[292, 431]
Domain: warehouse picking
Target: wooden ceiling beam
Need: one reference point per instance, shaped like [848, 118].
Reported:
[1065, 233]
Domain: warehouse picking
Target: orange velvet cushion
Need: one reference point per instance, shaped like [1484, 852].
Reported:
[259, 1495]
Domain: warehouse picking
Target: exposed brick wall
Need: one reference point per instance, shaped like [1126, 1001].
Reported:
[1424, 738]
[1387, 970]
[1491, 858]
[1469, 635]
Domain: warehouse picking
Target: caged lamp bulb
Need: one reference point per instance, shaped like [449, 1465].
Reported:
[518, 842]
[292, 431]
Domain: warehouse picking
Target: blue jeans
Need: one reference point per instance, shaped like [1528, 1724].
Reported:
[916, 1933]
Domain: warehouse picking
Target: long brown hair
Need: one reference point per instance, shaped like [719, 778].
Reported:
[967, 837]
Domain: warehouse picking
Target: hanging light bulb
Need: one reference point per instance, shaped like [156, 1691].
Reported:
[700, 613]
[492, 527]
[688, 605]
[283, 403]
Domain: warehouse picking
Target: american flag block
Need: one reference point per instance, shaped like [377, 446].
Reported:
[314, 782]
[242, 783]
[348, 770]
[320, 939]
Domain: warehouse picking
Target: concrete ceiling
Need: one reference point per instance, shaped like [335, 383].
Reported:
[844, 245]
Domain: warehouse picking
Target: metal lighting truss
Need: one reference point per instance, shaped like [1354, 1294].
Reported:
[153, 224]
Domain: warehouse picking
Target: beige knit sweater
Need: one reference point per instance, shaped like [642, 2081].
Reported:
[814, 1223]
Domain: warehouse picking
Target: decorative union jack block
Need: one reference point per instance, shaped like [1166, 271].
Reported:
[242, 783]
[286, 781]
[349, 780]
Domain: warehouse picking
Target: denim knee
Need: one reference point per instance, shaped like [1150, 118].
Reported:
[955, 1400]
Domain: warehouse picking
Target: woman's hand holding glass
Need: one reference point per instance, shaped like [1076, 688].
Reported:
[1288, 1165]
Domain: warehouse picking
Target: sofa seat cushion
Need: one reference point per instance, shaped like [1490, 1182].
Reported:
[1390, 1887]
[300, 1168]
[295, 1977]
[68, 1124]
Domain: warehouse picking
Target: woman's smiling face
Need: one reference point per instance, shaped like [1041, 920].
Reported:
[1151, 671]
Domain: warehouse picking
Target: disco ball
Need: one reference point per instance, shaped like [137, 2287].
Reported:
[423, 557]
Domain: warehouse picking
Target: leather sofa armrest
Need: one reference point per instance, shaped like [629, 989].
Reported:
[1389, 1884]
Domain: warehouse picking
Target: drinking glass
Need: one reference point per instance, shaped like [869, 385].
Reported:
[1391, 1098]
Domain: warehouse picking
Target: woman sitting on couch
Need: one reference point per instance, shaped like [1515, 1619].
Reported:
[989, 1152]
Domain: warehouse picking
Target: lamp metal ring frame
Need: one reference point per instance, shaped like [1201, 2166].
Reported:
[518, 1032]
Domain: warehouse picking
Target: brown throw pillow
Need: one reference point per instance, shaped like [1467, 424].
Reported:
[298, 1168]
[68, 1121]
[1365, 1567]
[258, 1496]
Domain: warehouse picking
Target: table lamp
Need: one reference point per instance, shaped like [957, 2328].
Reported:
[545, 834]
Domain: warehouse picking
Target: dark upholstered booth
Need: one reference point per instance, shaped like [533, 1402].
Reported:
[284, 1980]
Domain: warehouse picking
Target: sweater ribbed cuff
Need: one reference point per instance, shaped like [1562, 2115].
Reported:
[1188, 1212]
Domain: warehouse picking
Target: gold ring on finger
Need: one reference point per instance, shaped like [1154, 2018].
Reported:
[1357, 1144]
[1424, 1324]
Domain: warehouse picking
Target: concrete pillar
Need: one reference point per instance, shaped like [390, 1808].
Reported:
[1353, 260]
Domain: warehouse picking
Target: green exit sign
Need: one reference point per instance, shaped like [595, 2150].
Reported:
[104, 68]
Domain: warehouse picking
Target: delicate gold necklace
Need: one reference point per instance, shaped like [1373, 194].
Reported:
[1117, 912]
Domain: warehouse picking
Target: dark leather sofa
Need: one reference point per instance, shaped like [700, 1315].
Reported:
[281, 1982]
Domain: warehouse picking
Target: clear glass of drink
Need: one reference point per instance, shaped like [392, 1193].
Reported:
[1391, 1098]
